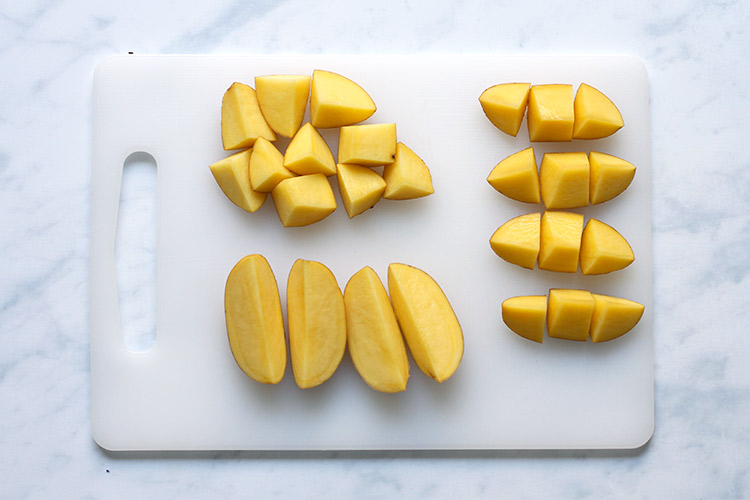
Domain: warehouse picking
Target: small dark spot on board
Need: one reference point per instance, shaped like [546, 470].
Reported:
[107, 471]
[129, 52]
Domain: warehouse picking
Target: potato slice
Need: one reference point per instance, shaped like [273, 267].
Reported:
[267, 167]
[374, 339]
[569, 314]
[368, 145]
[255, 326]
[613, 317]
[505, 105]
[303, 200]
[336, 101]
[603, 249]
[241, 119]
[429, 324]
[408, 177]
[609, 176]
[233, 176]
[564, 180]
[526, 316]
[317, 323]
[308, 153]
[560, 243]
[517, 177]
[518, 240]
[596, 116]
[283, 100]
[550, 116]
[360, 187]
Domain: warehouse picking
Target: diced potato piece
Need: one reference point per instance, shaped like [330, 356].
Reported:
[267, 167]
[517, 177]
[368, 145]
[233, 176]
[308, 153]
[596, 116]
[241, 119]
[254, 322]
[569, 314]
[603, 249]
[428, 322]
[360, 187]
[375, 343]
[408, 177]
[303, 200]
[613, 317]
[517, 241]
[609, 176]
[336, 101]
[560, 241]
[564, 180]
[282, 100]
[317, 324]
[550, 117]
[526, 316]
[505, 105]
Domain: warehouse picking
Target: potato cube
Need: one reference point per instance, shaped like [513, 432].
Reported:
[560, 243]
[308, 153]
[569, 314]
[550, 116]
[505, 105]
[517, 177]
[303, 200]
[517, 241]
[267, 167]
[526, 316]
[609, 176]
[336, 101]
[613, 317]
[603, 249]
[233, 176]
[596, 116]
[241, 119]
[368, 145]
[283, 100]
[564, 179]
[408, 177]
[360, 187]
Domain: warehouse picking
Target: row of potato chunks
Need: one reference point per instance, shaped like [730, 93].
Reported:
[297, 179]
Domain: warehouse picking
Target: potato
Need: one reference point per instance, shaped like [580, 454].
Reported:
[267, 167]
[560, 241]
[408, 177]
[569, 314]
[360, 188]
[283, 100]
[596, 116]
[526, 316]
[368, 145]
[613, 317]
[336, 101]
[241, 119]
[518, 240]
[505, 105]
[308, 153]
[550, 116]
[232, 175]
[303, 200]
[609, 176]
[517, 177]
[603, 249]
[564, 180]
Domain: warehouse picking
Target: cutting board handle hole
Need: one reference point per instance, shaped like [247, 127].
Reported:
[135, 252]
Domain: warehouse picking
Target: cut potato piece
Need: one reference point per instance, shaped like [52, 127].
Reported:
[241, 119]
[282, 100]
[603, 249]
[517, 177]
[428, 322]
[360, 187]
[303, 200]
[560, 243]
[267, 167]
[368, 145]
[596, 116]
[255, 326]
[526, 316]
[374, 339]
[613, 317]
[564, 180]
[317, 323]
[517, 241]
[550, 116]
[408, 177]
[505, 105]
[569, 314]
[233, 176]
[336, 101]
[609, 177]
[308, 153]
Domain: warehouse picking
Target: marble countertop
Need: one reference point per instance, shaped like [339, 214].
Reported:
[696, 55]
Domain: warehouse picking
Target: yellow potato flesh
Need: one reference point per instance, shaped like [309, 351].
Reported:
[337, 101]
[254, 322]
[560, 243]
[360, 187]
[303, 200]
[603, 249]
[517, 241]
[368, 145]
[596, 116]
[283, 100]
[517, 177]
[241, 119]
[308, 153]
[564, 180]
[613, 317]
[233, 176]
[317, 323]
[428, 322]
[569, 314]
[267, 167]
[609, 176]
[550, 115]
[505, 105]
[526, 316]
[374, 339]
[408, 177]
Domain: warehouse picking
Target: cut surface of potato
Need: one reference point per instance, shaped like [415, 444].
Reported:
[603, 249]
[241, 119]
[526, 316]
[374, 339]
[550, 115]
[427, 320]
[518, 240]
[609, 176]
[505, 105]
[369, 145]
[613, 317]
[303, 200]
[317, 323]
[517, 177]
[569, 314]
[283, 100]
[560, 242]
[596, 116]
[233, 176]
[308, 153]
[255, 326]
[360, 187]
[336, 101]
[564, 180]
[408, 177]
[267, 167]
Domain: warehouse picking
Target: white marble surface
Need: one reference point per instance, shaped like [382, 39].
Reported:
[696, 54]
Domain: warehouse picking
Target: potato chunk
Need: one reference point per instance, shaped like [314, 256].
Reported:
[336, 101]
[308, 153]
[603, 249]
[233, 176]
[360, 187]
[609, 176]
[303, 200]
[267, 167]
[408, 177]
[526, 316]
[283, 100]
[569, 314]
[596, 116]
[564, 180]
[505, 105]
[518, 240]
[613, 317]
[368, 145]
[560, 243]
[241, 119]
[550, 116]
[517, 177]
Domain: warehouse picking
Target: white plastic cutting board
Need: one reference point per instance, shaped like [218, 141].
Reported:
[186, 392]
